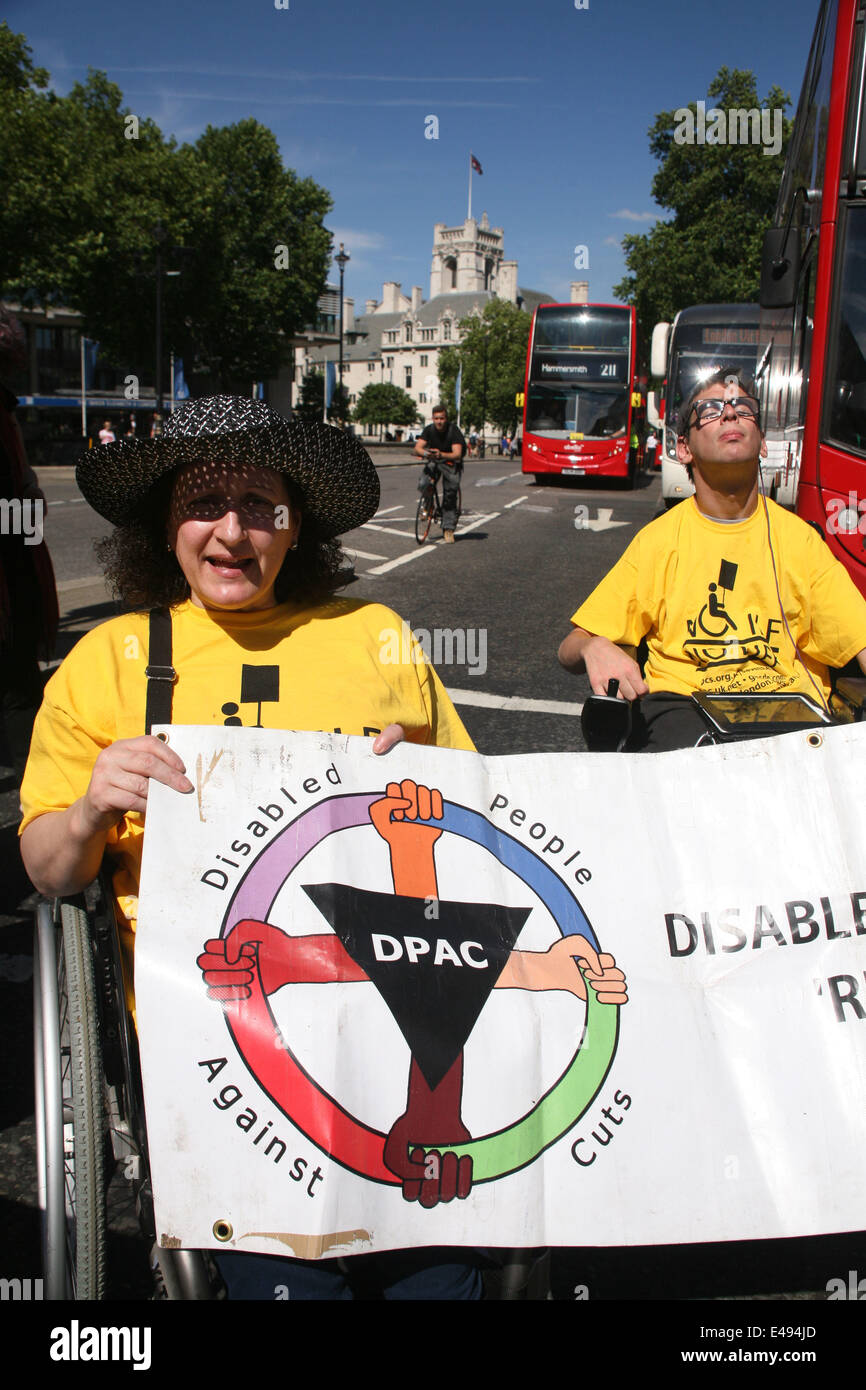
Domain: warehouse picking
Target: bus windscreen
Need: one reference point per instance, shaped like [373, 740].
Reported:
[699, 350]
[579, 373]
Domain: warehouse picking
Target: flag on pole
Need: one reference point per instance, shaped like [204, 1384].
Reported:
[91, 352]
[330, 382]
[475, 165]
[181, 390]
[458, 386]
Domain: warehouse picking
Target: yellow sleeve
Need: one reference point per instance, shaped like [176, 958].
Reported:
[837, 614]
[441, 725]
[446, 726]
[77, 719]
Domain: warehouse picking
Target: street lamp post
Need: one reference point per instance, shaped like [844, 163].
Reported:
[342, 258]
[160, 236]
[484, 401]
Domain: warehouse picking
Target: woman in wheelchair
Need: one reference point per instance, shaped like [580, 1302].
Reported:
[225, 558]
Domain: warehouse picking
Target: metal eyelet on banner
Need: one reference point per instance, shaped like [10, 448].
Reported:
[223, 1230]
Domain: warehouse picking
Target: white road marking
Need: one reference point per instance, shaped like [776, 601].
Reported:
[493, 482]
[389, 530]
[516, 503]
[513, 702]
[603, 522]
[537, 509]
[383, 511]
[427, 549]
[362, 554]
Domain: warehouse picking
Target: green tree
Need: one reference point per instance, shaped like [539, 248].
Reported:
[722, 197]
[312, 402]
[382, 403]
[492, 356]
[89, 190]
[449, 366]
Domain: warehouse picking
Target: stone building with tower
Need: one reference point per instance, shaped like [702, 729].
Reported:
[398, 338]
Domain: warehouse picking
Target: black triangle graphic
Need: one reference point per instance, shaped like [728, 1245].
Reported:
[434, 975]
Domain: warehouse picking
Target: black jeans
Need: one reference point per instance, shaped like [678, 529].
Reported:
[451, 474]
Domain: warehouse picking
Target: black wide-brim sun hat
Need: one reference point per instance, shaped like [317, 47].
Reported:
[334, 472]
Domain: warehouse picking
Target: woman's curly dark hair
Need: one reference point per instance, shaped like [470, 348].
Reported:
[143, 571]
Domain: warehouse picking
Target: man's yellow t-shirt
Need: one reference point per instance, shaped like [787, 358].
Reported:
[343, 667]
[725, 606]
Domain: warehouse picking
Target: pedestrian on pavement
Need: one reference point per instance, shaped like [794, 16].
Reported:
[106, 434]
[442, 446]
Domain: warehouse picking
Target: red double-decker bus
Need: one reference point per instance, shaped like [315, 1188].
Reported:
[813, 295]
[582, 409]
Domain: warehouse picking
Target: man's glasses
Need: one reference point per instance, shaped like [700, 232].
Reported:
[704, 411]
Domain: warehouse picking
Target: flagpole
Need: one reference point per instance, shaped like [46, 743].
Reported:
[469, 213]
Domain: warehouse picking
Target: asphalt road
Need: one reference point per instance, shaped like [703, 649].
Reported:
[495, 606]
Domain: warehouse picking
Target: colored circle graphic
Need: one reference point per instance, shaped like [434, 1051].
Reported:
[346, 1139]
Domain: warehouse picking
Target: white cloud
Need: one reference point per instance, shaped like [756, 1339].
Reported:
[611, 241]
[628, 216]
[357, 241]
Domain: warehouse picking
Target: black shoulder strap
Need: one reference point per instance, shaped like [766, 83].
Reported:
[160, 673]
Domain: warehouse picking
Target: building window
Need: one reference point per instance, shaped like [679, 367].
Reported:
[389, 361]
[407, 371]
[423, 359]
[422, 398]
[446, 330]
[428, 334]
[371, 366]
[407, 330]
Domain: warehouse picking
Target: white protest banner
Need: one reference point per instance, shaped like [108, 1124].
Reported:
[363, 1025]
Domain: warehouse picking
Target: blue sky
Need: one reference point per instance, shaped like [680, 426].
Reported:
[554, 101]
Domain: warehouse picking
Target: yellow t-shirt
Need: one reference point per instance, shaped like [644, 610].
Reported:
[719, 615]
[343, 667]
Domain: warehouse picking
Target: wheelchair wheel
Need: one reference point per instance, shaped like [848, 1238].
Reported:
[69, 1108]
[424, 515]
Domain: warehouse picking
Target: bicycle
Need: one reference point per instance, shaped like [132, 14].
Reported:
[430, 509]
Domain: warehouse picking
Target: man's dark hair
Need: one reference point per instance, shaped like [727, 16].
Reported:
[440, 410]
[143, 573]
[721, 377]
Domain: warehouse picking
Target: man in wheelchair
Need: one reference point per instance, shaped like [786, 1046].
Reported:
[731, 593]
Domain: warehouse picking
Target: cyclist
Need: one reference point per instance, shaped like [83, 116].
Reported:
[442, 446]
[731, 592]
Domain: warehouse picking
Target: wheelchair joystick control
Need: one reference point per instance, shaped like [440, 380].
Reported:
[612, 688]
